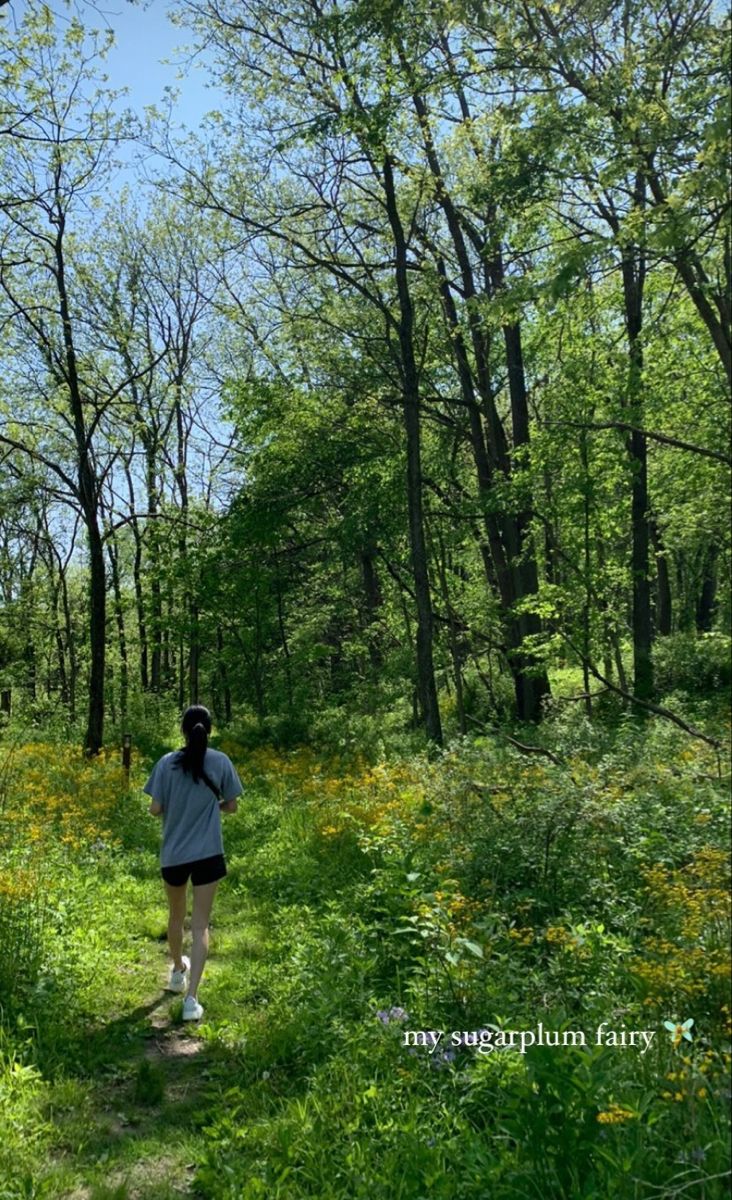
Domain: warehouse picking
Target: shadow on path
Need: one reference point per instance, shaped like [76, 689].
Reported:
[152, 1089]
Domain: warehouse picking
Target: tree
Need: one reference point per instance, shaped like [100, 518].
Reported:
[56, 155]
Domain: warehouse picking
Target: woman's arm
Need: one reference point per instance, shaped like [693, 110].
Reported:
[228, 806]
[154, 786]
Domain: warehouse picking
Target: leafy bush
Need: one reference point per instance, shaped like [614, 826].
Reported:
[23, 918]
[477, 886]
[693, 662]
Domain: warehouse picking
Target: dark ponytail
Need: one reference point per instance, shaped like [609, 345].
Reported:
[196, 725]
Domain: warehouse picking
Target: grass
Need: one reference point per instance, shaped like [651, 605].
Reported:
[483, 886]
[119, 1103]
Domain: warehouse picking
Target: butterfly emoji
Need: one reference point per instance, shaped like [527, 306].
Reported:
[679, 1031]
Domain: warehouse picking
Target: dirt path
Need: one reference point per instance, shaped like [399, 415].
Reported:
[149, 1110]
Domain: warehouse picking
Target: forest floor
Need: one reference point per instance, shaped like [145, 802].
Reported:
[146, 1083]
[481, 888]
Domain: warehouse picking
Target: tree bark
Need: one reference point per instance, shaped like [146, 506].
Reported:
[97, 637]
[531, 679]
[663, 621]
[633, 273]
[89, 498]
[60, 648]
[194, 657]
[706, 602]
[410, 407]
[137, 584]
[124, 670]
[373, 602]
[73, 674]
[223, 675]
[456, 646]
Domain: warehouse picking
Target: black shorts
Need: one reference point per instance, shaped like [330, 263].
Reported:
[204, 870]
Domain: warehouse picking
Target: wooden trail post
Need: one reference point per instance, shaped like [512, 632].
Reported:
[127, 754]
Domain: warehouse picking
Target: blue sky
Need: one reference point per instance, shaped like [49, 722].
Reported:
[144, 37]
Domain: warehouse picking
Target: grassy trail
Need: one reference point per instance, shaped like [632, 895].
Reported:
[149, 1081]
[477, 889]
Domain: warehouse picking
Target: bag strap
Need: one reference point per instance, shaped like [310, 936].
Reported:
[210, 784]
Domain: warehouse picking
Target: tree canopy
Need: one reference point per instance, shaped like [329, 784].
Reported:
[399, 386]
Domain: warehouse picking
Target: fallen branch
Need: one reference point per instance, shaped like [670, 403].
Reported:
[657, 709]
[582, 696]
[522, 746]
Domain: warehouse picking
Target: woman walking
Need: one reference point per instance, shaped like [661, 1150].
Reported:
[191, 788]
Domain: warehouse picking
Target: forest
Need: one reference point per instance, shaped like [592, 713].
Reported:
[385, 412]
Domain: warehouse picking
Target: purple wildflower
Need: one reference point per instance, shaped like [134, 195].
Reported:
[441, 1058]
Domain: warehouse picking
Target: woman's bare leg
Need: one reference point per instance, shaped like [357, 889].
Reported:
[176, 917]
[202, 902]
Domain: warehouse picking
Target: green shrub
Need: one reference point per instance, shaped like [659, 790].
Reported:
[23, 921]
[693, 662]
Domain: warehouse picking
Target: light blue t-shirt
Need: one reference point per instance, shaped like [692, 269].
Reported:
[191, 815]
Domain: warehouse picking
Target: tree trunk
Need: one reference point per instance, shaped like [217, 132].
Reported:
[633, 272]
[373, 602]
[531, 681]
[97, 637]
[587, 606]
[137, 584]
[283, 642]
[515, 566]
[642, 624]
[60, 648]
[606, 623]
[181, 670]
[124, 671]
[187, 665]
[410, 407]
[29, 656]
[166, 639]
[89, 497]
[456, 648]
[70, 645]
[663, 584]
[140, 608]
[194, 655]
[157, 668]
[223, 675]
[706, 603]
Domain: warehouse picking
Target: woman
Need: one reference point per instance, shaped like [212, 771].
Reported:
[191, 788]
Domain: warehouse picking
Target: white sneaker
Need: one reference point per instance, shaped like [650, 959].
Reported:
[177, 981]
[192, 1010]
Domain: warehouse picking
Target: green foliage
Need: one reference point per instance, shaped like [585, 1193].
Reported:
[694, 663]
[23, 917]
[415, 189]
[479, 887]
[149, 1084]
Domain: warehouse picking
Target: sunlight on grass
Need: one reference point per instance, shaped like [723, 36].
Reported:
[476, 887]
